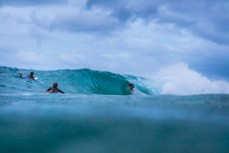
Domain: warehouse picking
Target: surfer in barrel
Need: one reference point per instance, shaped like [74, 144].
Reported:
[54, 89]
[30, 76]
[131, 87]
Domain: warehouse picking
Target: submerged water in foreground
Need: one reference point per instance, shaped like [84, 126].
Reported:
[88, 121]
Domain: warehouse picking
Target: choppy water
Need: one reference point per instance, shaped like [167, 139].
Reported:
[104, 120]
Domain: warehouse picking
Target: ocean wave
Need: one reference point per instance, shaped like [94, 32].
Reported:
[81, 81]
[176, 79]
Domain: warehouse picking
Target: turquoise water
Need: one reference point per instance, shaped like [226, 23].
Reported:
[83, 81]
[98, 114]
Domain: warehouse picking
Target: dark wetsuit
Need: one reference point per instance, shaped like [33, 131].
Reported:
[55, 90]
[27, 77]
[31, 77]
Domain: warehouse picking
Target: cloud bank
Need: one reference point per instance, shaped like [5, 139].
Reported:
[130, 37]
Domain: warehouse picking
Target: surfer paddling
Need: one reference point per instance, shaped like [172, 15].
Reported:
[30, 76]
[54, 89]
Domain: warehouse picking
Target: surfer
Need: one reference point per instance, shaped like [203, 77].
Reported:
[54, 89]
[131, 87]
[30, 76]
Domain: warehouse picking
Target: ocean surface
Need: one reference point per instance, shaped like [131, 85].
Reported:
[99, 114]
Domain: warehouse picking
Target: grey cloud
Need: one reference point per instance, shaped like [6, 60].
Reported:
[69, 16]
[125, 10]
[211, 13]
[185, 14]
[73, 19]
[213, 69]
[86, 24]
[30, 2]
[190, 15]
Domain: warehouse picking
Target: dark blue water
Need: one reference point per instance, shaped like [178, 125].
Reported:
[97, 119]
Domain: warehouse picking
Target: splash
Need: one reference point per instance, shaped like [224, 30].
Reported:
[179, 79]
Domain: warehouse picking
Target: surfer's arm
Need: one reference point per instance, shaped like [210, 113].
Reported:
[30, 77]
[61, 91]
[20, 74]
[48, 90]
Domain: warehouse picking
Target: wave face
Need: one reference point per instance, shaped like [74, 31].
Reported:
[82, 81]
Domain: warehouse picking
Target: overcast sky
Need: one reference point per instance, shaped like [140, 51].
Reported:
[137, 37]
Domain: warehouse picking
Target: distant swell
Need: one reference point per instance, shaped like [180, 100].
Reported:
[82, 81]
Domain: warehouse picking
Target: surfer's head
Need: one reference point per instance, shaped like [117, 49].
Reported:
[31, 74]
[55, 85]
[131, 86]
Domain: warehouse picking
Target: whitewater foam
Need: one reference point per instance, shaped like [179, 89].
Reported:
[179, 79]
